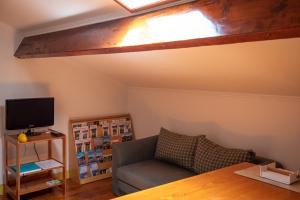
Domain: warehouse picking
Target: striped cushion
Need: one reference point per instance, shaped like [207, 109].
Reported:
[175, 148]
[210, 156]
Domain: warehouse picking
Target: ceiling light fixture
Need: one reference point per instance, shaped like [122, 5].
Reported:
[138, 5]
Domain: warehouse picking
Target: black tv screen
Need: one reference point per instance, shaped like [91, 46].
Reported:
[29, 113]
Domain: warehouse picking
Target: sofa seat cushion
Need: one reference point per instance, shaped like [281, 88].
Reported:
[151, 173]
[176, 148]
[210, 156]
[125, 188]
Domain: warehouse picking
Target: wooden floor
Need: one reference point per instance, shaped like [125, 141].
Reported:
[99, 190]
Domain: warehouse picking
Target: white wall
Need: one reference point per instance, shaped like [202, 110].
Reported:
[78, 92]
[267, 124]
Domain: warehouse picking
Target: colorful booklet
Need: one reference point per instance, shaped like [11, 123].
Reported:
[83, 171]
[99, 155]
[94, 169]
[27, 168]
[54, 182]
[81, 158]
[91, 156]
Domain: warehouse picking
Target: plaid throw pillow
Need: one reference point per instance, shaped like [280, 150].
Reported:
[175, 148]
[210, 156]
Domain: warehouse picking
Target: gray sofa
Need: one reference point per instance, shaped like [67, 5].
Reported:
[135, 168]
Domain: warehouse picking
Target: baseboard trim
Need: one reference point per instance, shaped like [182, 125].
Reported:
[1, 190]
[60, 175]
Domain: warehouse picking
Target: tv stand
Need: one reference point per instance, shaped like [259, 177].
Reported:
[17, 184]
[31, 132]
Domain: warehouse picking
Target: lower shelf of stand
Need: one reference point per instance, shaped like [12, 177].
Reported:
[105, 165]
[95, 178]
[34, 186]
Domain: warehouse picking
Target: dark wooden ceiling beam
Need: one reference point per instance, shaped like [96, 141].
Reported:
[235, 21]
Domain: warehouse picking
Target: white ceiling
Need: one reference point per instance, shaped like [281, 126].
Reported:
[268, 67]
[36, 14]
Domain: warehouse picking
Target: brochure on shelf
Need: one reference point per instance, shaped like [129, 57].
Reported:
[27, 168]
[48, 164]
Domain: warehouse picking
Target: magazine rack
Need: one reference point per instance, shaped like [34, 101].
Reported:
[90, 149]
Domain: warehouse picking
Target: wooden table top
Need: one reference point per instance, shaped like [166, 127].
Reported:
[221, 184]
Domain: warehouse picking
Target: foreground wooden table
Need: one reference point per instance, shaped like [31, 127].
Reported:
[221, 184]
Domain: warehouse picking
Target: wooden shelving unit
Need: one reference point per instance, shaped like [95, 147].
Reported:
[17, 185]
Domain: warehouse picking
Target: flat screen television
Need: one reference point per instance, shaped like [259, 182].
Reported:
[29, 113]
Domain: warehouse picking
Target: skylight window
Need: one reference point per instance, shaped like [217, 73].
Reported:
[137, 5]
[176, 27]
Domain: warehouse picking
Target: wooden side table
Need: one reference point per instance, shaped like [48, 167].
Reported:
[16, 184]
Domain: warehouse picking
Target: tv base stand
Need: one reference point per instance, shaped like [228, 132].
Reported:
[31, 132]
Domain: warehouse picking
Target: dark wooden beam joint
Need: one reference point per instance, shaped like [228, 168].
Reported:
[235, 21]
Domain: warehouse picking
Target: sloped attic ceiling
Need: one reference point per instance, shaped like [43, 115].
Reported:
[268, 67]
